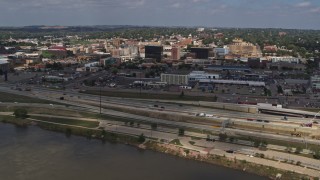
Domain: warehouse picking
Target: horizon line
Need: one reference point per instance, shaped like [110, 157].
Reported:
[159, 26]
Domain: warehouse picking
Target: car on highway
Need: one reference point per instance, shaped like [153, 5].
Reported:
[201, 114]
[230, 151]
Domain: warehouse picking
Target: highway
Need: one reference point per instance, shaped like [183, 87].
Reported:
[169, 106]
[53, 96]
[188, 110]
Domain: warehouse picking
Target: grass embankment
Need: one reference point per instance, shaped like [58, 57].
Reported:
[90, 133]
[7, 97]
[230, 163]
[71, 130]
[13, 120]
[315, 110]
[56, 111]
[150, 96]
[88, 124]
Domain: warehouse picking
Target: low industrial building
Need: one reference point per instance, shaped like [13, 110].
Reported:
[288, 59]
[54, 79]
[175, 79]
[234, 82]
[198, 75]
[110, 61]
[315, 83]
[200, 62]
[221, 52]
[228, 68]
[286, 66]
[4, 66]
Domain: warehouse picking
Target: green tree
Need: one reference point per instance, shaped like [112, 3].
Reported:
[21, 113]
[289, 149]
[256, 143]
[103, 133]
[231, 139]
[223, 136]
[181, 94]
[215, 98]
[269, 92]
[316, 154]
[68, 132]
[114, 71]
[181, 132]
[280, 90]
[154, 126]
[298, 150]
[264, 143]
[141, 138]
[152, 73]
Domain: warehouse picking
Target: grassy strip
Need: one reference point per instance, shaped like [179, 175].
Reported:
[58, 111]
[313, 147]
[7, 97]
[151, 96]
[192, 142]
[88, 124]
[70, 130]
[176, 142]
[315, 110]
[13, 120]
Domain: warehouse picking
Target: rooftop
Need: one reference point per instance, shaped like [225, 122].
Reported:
[3, 62]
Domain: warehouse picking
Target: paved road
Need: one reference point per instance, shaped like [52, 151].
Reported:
[171, 123]
[174, 107]
[244, 152]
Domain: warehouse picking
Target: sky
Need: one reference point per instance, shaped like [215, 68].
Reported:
[296, 14]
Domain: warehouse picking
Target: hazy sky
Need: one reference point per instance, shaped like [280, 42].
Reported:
[303, 14]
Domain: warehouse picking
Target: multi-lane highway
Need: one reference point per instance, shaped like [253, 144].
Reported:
[81, 101]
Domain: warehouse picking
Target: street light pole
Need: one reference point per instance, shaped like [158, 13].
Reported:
[315, 116]
[100, 99]
[305, 142]
[140, 83]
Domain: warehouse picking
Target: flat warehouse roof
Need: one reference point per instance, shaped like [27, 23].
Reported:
[250, 83]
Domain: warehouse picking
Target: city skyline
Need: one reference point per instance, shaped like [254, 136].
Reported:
[294, 14]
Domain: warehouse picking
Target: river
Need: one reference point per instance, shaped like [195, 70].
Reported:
[35, 154]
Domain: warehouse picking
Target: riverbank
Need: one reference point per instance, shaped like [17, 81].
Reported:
[156, 146]
[233, 163]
